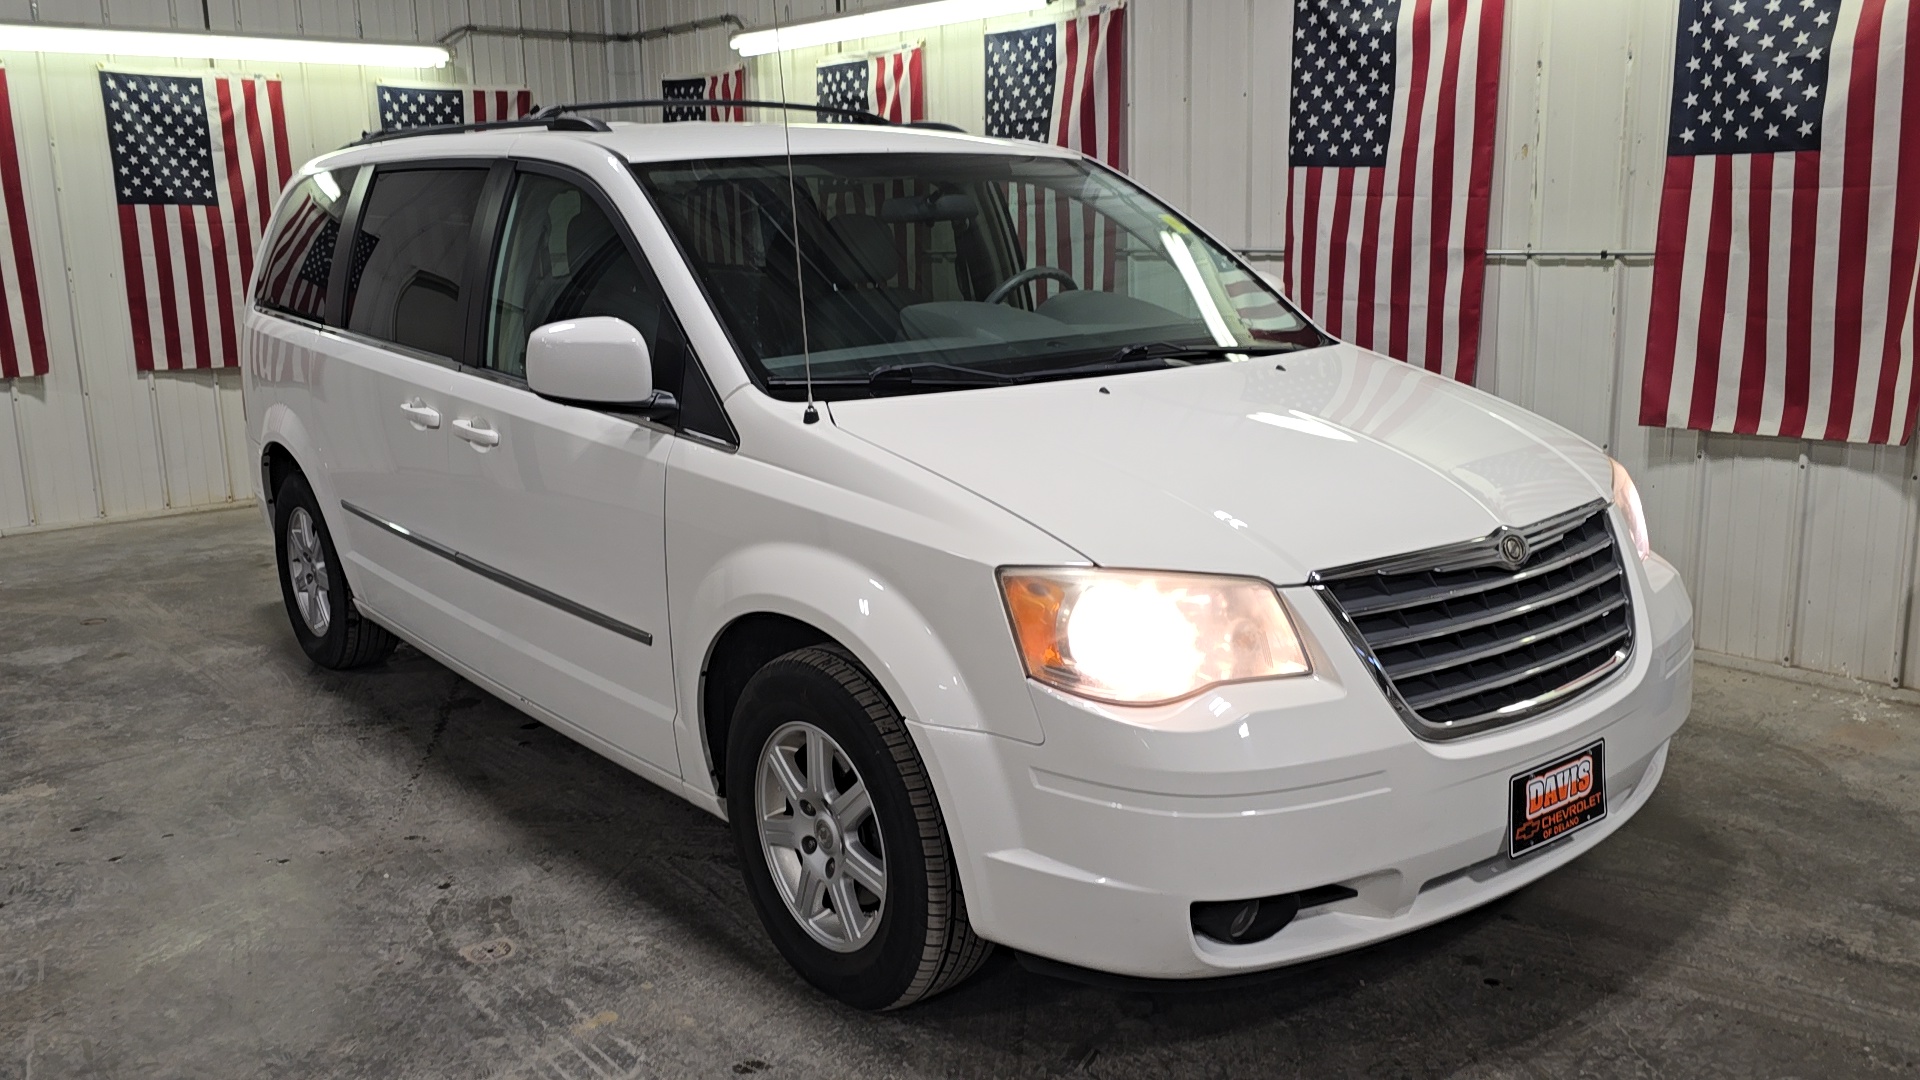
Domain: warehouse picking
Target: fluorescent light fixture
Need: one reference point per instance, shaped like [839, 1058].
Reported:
[186, 44]
[876, 23]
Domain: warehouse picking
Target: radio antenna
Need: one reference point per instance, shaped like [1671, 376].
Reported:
[812, 415]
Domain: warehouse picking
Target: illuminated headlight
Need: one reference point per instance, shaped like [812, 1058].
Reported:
[1145, 639]
[1627, 498]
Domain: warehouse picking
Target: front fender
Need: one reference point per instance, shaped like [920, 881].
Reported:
[863, 610]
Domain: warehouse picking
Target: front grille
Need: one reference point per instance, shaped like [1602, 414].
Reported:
[1463, 640]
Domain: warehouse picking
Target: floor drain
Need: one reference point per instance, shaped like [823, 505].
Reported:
[489, 952]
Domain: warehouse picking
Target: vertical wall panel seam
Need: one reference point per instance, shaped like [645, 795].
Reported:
[159, 442]
[220, 418]
[1802, 512]
[20, 452]
[1910, 550]
[1542, 92]
[73, 309]
[1629, 113]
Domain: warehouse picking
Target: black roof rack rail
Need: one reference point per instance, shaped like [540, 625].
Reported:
[545, 123]
[858, 116]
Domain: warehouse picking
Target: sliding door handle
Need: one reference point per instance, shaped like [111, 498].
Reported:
[420, 414]
[476, 432]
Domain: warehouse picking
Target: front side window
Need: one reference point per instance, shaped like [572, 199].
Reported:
[965, 269]
[411, 252]
[294, 274]
[561, 258]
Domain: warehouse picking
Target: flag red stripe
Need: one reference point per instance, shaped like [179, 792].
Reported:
[1906, 234]
[236, 181]
[1399, 312]
[1070, 85]
[1310, 247]
[163, 282]
[1486, 116]
[222, 280]
[196, 285]
[1293, 240]
[1085, 90]
[1663, 326]
[130, 268]
[25, 273]
[1753, 364]
[1849, 291]
[1806, 212]
[1337, 248]
[1366, 301]
[1441, 226]
[250, 93]
[282, 150]
[1713, 295]
[917, 85]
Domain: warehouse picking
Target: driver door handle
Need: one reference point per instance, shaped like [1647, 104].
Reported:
[476, 432]
[420, 414]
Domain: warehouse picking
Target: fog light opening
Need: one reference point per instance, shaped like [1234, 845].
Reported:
[1243, 922]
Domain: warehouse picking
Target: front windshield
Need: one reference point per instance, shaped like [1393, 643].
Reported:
[978, 267]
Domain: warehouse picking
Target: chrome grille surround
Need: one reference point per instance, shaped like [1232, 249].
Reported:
[1462, 640]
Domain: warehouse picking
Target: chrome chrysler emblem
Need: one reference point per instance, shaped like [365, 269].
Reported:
[1513, 549]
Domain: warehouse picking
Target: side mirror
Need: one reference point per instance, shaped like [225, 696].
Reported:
[1273, 281]
[599, 362]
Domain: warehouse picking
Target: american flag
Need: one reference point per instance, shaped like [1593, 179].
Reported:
[726, 86]
[891, 85]
[1783, 277]
[1391, 155]
[1063, 83]
[197, 163]
[23, 331]
[402, 107]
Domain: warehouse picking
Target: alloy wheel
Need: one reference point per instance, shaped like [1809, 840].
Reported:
[307, 571]
[820, 837]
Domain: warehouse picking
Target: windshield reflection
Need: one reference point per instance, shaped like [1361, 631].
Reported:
[964, 269]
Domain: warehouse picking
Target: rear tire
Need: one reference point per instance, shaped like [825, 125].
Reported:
[852, 809]
[332, 632]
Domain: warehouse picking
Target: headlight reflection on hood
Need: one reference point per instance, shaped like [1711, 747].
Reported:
[1131, 638]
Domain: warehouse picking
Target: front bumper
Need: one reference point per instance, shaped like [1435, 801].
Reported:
[1090, 848]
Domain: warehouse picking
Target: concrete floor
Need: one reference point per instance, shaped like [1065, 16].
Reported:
[217, 861]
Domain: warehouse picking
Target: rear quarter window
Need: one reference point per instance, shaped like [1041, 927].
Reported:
[294, 274]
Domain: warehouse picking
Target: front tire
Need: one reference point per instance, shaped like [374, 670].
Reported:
[332, 632]
[845, 854]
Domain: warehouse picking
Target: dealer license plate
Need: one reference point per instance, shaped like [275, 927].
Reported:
[1556, 799]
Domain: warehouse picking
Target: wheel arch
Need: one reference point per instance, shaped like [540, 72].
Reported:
[786, 596]
[286, 448]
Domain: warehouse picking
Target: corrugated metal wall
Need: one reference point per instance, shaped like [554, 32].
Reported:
[96, 439]
[1797, 553]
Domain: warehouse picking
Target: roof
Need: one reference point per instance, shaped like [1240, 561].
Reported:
[650, 142]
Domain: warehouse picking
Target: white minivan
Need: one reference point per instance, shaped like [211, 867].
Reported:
[1002, 556]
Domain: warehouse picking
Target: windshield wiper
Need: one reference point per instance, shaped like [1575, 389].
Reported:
[916, 373]
[1147, 356]
[1167, 350]
[935, 373]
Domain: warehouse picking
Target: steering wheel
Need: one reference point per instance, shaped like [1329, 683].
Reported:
[1031, 273]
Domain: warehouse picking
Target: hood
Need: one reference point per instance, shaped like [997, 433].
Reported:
[1272, 467]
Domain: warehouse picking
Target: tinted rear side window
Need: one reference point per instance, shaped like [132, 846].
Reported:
[299, 262]
[414, 237]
